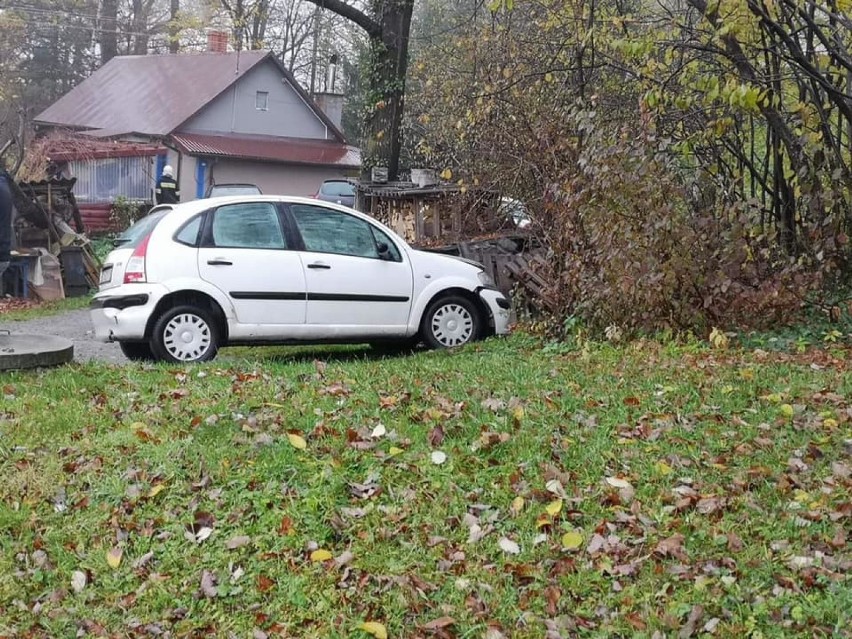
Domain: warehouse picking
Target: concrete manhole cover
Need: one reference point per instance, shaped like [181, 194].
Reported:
[19, 350]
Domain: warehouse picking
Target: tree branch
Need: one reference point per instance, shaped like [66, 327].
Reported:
[373, 28]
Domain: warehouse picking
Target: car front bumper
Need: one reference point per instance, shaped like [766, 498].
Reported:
[119, 315]
[499, 306]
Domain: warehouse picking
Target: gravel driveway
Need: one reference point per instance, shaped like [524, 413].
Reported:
[73, 325]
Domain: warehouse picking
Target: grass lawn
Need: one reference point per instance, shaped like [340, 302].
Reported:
[507, 489]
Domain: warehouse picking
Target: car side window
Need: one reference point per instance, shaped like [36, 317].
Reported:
[251, 225]
[328, 231]
[189, 233]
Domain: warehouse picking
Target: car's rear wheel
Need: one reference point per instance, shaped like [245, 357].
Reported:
[185, 334]
[451, 321]
[137, 351]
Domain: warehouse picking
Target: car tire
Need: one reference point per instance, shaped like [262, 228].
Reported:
[137, 351]
[450, 321]
[185, 334]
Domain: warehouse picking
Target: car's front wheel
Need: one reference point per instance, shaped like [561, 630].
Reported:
[451, 321]
[185, 334]
[137, 351]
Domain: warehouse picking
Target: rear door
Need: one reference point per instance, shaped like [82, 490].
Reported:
[246, 254]
[349, 284]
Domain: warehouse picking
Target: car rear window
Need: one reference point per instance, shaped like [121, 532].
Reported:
[337, 188]
[133, 235]
[218, 191]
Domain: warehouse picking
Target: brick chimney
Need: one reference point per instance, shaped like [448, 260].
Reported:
[217, 41]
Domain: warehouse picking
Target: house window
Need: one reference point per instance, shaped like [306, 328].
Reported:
[261, 101]
[103, 180]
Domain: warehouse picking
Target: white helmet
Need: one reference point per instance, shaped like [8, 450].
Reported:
[168, 170]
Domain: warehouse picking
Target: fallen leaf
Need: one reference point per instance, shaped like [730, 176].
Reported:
[297, 441]
[264, 583]
[78, 581]
[618, 482]
[572, 540]
[438, 457]
[672, 546]
[144, 560]
[437, 624]
[344, 559]
[374, 628]
[394, 451]
[237, 542]
[156, 490]
[379, 431]
[554, 507]
[691, 624]
[509, 546]
[321, 555]
[208, 584]
[113, 557]
[662, 468]
[517, 505]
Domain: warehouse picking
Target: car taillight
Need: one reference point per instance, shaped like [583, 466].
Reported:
[135, 271]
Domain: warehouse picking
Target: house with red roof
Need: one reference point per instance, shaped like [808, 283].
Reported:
[215, 117]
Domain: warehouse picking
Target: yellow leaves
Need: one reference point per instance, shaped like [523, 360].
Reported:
[446, 174]
[572, 540]
[297, 441]
[786, 410]
[548, 77]
[829, 423]
[156, 490]
[662, 468]
[113, 557]
[517, 505]
[374, 628]
[554, 507]
[321, 555]
[718, 339]
[394, 451]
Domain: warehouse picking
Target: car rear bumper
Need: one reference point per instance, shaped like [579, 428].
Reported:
[499, 306]
[123, 315]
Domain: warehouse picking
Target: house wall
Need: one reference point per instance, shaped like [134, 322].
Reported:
[235, 110]
[273, 179]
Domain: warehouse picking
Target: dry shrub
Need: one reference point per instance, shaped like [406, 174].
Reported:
[630, 247]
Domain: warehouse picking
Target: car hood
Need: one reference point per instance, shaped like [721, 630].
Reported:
[445, 264]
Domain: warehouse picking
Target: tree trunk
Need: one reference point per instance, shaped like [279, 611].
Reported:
[389, 33]
[389, 52]
[140, 28]
[109, 30]
[174, 29]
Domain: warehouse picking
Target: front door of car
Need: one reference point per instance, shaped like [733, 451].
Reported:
[349, 283]
[245, 253]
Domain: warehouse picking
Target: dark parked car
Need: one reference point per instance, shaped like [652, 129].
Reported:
[220, 190]
[337, 191]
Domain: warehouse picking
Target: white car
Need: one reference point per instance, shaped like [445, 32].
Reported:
[282, 270]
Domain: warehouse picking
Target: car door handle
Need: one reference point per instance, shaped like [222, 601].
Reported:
[319, 265]
[220, 262]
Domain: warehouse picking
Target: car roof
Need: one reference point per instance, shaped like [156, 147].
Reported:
[185, 210]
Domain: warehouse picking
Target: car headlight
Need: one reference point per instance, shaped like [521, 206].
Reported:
[486, 280]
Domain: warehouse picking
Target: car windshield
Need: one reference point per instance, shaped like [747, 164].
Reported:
[133, 235]
[233, 189]
[339, 188]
